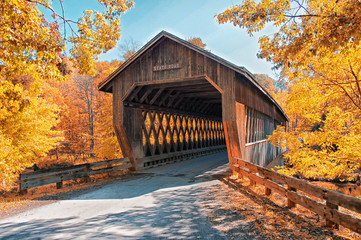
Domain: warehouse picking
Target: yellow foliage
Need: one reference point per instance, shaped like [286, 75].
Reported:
[31, 55]
[317, 46]
[323, 139]
[31, 45]
[26, 122]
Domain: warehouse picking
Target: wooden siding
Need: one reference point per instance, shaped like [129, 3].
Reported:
[254, 98]
[235, 86]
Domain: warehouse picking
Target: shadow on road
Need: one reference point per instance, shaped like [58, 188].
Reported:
[159, 203]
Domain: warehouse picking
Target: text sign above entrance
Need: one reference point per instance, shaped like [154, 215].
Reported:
[166, 67]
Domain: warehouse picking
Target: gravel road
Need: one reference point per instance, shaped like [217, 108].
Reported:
[159, 203]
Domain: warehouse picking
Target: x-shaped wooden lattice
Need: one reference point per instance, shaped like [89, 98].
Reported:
[165, 132]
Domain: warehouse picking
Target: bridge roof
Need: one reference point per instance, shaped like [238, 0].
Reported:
[239, 69]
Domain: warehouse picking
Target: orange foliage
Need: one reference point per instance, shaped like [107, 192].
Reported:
[197, 41]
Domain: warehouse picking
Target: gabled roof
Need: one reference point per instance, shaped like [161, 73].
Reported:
[164, 34]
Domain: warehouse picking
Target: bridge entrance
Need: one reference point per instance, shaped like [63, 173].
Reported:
[175, 119]
[173, 100]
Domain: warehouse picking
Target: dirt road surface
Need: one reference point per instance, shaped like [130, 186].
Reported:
[159, 203]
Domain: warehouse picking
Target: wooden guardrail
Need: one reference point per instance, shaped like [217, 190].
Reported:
[326, 207]
[58, 175]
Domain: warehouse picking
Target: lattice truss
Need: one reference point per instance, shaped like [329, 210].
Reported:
[165, 132]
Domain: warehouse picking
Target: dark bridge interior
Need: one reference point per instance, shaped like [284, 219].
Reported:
[178, 115]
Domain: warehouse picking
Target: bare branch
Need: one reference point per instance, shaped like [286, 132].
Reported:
[67, 21]
[356, 78]
[62, 9]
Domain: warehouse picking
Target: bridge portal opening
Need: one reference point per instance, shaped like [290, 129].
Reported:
[176, 119]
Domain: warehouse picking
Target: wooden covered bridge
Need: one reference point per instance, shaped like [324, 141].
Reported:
[173, 99]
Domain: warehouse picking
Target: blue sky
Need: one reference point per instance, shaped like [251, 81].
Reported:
[185, 18]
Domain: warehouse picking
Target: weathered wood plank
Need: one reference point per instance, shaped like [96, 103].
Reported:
[155, 97]
[329, 210]
[333, 197]
[48, 172]
[231, 137]
[107, 162]
[73, 174]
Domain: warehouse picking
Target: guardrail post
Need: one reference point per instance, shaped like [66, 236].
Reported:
[290, 203]
[329, 223]
[252, 183]
[268, 191]
[86, 170]
[59, 185]
[24, 191]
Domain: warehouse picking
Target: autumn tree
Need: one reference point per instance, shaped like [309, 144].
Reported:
[106, 143]
[197, 41]
[77, 117]
[317, 48]
[86, 118]
[26, 128]
[32, 45]
[31, 60]
[268, 83]
[128, 48]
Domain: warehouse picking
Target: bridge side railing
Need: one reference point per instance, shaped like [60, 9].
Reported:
[262, 152]
[295, 190]
[39, 178]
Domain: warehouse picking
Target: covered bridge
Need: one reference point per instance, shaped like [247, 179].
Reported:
[172, 100]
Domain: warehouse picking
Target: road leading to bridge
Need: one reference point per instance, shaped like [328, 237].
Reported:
[164, 203]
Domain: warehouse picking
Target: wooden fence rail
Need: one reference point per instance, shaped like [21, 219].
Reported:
[326, 207]
[58, 175]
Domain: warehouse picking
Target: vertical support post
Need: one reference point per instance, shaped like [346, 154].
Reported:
[124, 144]
[268, 191]
[329, 223]
[231, 136]
[241, 128]
[290, 203]
[21, 191]
[59, 185]
[86, 170]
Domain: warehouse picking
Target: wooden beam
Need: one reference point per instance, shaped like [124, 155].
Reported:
[145, 95]
[196, 104]
[202, 86]
[180, 99]
[169, 82]
[169, 110]
[171, 100]
[134, 93]
[202, 94]
[214, 84]
[207, 108]
[160, 91]
[199, 106]
[166, 96]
